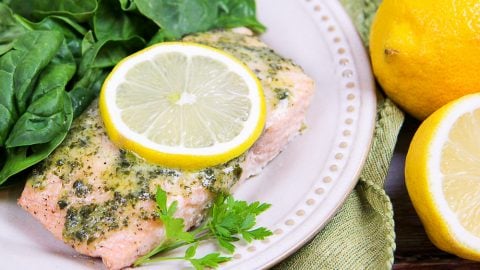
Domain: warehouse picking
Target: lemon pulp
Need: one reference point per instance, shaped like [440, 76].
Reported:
[459, 163]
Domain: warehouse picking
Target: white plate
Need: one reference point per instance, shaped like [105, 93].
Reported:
[306, 184]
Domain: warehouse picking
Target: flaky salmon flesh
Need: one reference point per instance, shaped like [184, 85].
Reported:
[99, 199]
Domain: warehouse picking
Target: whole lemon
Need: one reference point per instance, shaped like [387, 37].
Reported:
[426, 53]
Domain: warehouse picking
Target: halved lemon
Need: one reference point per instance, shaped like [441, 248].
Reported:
[183, 105]
[442, 174]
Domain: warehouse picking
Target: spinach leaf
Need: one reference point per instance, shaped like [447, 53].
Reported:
[20, 158]
[46, 115]
[57, 74]
[44, 119]
[177, 18]
[71, 31]
[18, 68]
[8, 114]
[115, 35]
[8, 110]
[10, 30]
[47, 119]
[68, 27]
[107, 53]
[111, 23]
[80, 11]
[36, 50]
[180, 17]
[41, 128]
[112, 51]
[235, 13]
[86, 90]
[87, 41]
[7, 120]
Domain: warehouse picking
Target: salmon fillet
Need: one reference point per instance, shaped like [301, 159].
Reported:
[99, 199]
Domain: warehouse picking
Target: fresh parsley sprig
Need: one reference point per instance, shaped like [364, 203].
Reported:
[228, 221]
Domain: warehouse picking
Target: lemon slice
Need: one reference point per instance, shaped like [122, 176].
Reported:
[442, 174]
[183, 105]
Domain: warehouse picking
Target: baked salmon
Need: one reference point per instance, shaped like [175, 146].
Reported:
[99, 199]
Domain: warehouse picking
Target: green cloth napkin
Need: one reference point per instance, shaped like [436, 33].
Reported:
[361, 235]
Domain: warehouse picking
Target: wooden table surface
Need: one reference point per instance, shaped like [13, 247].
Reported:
[414, 249]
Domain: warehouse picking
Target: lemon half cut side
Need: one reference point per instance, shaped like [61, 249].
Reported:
[183, 105]
[442, 174]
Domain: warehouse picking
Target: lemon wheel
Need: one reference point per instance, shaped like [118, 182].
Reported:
[183, 105]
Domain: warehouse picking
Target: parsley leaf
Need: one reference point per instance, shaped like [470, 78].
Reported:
[190, 252]
[161, 199]
[211, 260]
